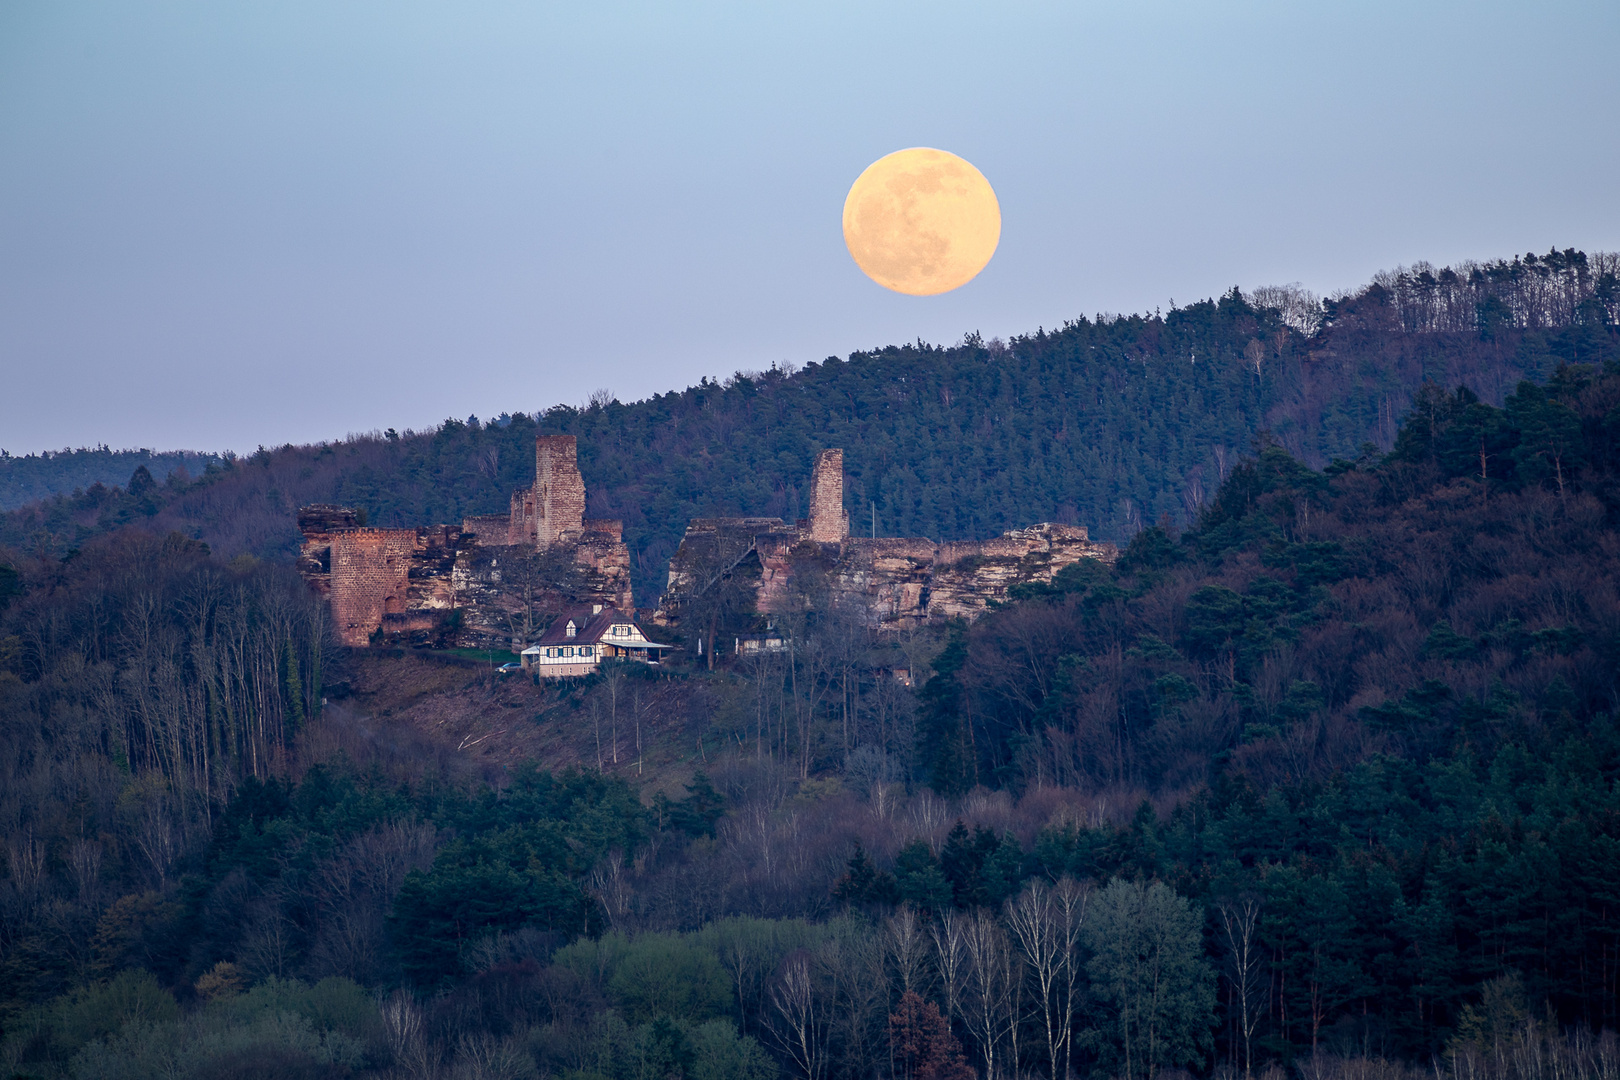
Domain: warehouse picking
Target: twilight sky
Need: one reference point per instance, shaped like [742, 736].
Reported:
[230, 224]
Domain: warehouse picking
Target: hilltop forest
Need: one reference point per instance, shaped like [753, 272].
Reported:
[1321, 779]
[36, 477]
[1110, 422]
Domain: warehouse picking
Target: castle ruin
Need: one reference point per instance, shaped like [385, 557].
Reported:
[893, 582]
[491, 582]
[496, 581]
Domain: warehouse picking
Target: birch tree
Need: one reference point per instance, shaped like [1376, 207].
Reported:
[798, 1021]
[1046, 923]
[988, 1005]
[1245, 967]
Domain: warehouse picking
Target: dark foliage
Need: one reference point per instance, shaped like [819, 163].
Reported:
[33, 477]
[1360, 721]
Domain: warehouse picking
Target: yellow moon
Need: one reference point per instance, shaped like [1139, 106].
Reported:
[921, 221]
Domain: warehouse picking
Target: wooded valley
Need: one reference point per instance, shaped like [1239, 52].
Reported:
[1321, 779]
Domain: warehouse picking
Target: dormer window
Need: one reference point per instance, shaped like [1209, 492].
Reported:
[570, 630]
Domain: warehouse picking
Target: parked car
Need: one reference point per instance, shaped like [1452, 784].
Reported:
[507, 669]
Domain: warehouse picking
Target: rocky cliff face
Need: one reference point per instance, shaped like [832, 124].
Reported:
[894, 582]
[963, 579]
[496, 582]
[441, 587]
[491, 582]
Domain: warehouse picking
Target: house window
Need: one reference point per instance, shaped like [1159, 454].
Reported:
[567, 650]
[585, 650]
[569, 629]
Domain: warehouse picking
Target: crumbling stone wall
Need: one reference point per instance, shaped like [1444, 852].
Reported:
[318, 524]
[490, 529]
[523, 523]
[559, 490]
[369, 578]
[492, 582]
[894, 581]
[602, 527]
[829, 521]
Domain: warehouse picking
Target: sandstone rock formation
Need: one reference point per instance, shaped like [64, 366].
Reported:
[893, 582]
[491, 582]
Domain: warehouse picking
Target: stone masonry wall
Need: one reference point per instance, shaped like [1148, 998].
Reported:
[370, 575]
[490, 529]
[491, 582]
[895, 581]
[524, 525]
[559, 490]
[829, 521]
[613, 530]
[318, 524]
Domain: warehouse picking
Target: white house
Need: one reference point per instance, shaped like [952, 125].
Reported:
[581, 639]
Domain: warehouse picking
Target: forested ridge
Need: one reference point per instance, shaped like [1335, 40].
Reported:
[1325, 783]
[32, 477]
[1109, 422]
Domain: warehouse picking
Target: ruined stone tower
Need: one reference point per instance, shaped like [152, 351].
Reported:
[559, 491]
[479, 584]
[898, 582]
[829, 521]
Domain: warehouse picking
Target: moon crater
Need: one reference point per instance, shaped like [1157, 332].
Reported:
[921, 221]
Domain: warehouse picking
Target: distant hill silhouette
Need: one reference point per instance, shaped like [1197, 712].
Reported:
[33, 477]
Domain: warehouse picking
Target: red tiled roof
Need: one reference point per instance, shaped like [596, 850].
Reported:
[589, 628]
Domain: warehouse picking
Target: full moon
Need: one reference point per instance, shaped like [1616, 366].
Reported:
[921, 221]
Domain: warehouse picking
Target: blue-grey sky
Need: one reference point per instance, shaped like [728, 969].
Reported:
[230, 224]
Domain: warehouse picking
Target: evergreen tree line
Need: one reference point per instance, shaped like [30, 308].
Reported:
[1473, 561]
[31, 477]
[1326, 781]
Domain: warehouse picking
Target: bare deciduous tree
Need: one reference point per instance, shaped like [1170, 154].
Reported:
[798, 1021]
[403, 1029]
[611, 885]
[950, 956]
[991, 993]
[906, 945]
[1245, 964]
[853, 960]
[1046, 923]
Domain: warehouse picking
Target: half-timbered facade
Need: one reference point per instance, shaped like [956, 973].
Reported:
[581, 639]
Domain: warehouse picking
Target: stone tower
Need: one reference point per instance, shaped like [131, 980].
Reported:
[829, 521]
[559, 491]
